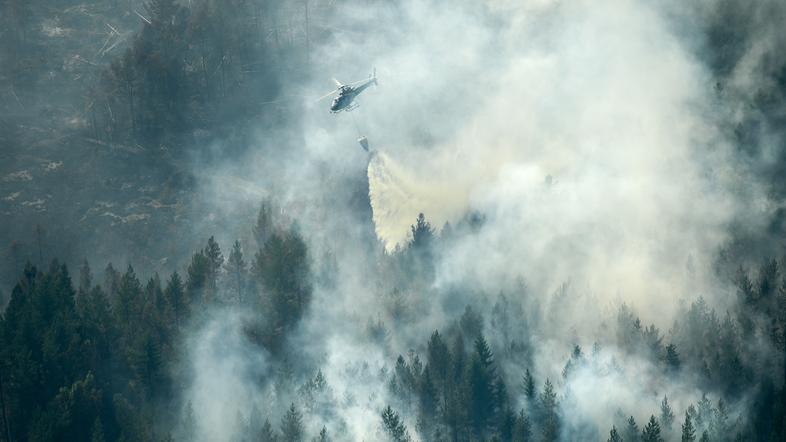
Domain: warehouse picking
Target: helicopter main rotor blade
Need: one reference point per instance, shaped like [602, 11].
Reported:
[358, 82]
[327, 95]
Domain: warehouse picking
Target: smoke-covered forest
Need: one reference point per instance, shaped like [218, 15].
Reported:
[567, 225]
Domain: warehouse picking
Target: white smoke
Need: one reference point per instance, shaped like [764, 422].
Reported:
[607, 102]
[587, 133]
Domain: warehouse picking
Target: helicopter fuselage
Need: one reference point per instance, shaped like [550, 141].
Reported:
[346, 96]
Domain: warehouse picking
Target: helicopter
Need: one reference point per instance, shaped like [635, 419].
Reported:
[344, 101]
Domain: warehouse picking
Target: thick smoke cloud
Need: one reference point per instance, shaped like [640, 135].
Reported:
[603, 102]
[591, 137]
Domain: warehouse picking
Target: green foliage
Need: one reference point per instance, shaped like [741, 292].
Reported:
[548, 409]
[283, 270]
[522, 428]
[631, 430]
[614, 435]
[323, 436]
[688, 430]
[528, 386]
[292, 425]
[198, 282]
[236, 271]
[97, 365]
[651, 432]
[215, 262]
[482, 381]
[672, 357]
[666, 414]
[393, 426]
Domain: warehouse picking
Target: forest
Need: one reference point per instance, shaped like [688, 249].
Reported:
[569, 226]
[101, 357]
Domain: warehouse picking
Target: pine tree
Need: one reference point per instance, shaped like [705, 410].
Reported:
[266, 433]
[129, 297]
[198, 280]
[522, 428]
[614, 435]
[264, 227]
[292, 425]
[283, 269]
[688, 431]
[672, 358]
[548, 409]
[428, 399]
[705, 436]
[393, 426]
[111, 281]
[651, 432]
[176, 298]
[485, 356]
[720, 424]
[215, 260]
[85, 277]
[666, 415]
[471, 323]
[420, 250]
[528, 385]
[631, 430]
[422, 234]
[481, 379]
[236, 269]
[146, 361]
[704, 412]
[323, 435]
[438, 358]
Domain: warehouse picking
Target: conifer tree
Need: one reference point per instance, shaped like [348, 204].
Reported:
[264, 226]
[528, 385]
[129, 297]
[651, 432]
[614, 435]
[393, 426]
[688, 431]
[438, 357]
[292, 425]
[666, 415]
[236, 269]
[672, 358]
[522, 428]
[85, 277]
[266, 433]
[323, 435]
[548, 409]
[176, 298]
[631, 430]
[482, 378]
[215, 262]
[198, 281]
